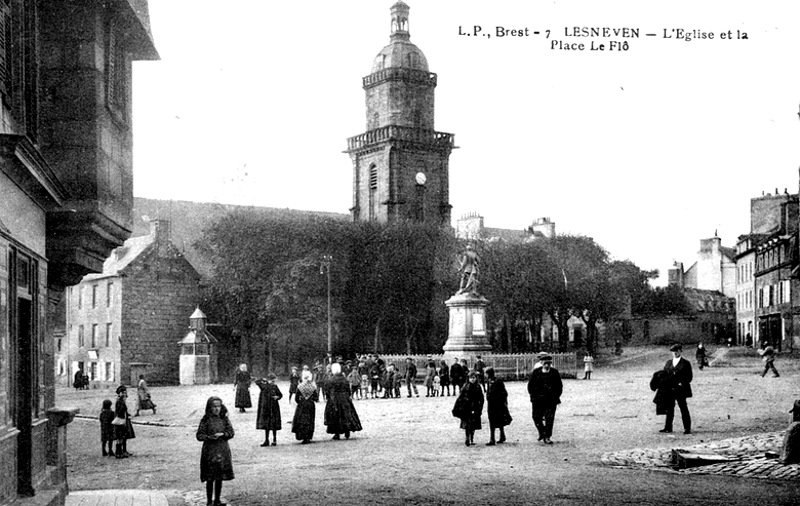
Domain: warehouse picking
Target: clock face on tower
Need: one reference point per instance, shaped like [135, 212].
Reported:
[420, 178]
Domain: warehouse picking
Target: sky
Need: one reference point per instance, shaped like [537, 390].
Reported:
[647, 150]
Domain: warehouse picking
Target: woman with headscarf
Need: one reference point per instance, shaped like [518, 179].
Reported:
[306, 410]
[340, 414]
[241, 384]
[269, 411]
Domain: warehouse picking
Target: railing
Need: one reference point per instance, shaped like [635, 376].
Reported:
[508, 366]
[399, 74]
[402, 133]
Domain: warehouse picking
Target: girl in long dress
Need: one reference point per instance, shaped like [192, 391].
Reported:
[216, 463]
[306, 410]
[340, 414]
[496, 406]
[242, 386]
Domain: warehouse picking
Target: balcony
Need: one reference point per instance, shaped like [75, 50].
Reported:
[426, 138]
[399, 74]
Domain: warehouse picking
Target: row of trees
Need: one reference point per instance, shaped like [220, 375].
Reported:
[389, 284]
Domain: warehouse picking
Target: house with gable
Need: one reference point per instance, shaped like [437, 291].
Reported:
[126, 320]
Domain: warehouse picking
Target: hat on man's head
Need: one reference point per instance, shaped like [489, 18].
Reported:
[121, 388]
[676, 347]
[545, 358]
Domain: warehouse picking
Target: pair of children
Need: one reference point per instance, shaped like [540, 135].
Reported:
[116, 426]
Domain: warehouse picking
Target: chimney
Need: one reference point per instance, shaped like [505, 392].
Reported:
[160, 230]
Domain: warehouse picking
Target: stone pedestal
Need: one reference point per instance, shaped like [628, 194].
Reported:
[466, 335]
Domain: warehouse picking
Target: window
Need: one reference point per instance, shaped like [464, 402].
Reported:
[109, 293]
[373, 193]
[80, 336]
[93, 371]
[116, 73]
[109, 371]
[94, 335]
[80, 297]
[94, 296]
[108, 335]
[58, 345]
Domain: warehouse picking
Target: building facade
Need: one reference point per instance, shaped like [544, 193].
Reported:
[127, 320]
[65, 182]
[714, 269]
[746, 328]
[401, 163]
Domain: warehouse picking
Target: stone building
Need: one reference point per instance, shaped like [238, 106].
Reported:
[471, 227]
[65, 180]
[126, 320]
[401, 163]
[714, 269]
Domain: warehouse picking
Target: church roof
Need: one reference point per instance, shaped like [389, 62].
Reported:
[400, 54]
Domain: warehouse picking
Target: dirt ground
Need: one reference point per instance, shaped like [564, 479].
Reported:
[411, 450]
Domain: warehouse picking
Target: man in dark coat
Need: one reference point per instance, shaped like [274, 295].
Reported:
[411, 376]
[456, 376]
[678, 382]
[544, 388]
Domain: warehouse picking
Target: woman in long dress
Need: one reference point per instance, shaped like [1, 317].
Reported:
[269, 412]
[340, 414]
[469, 406]
[242, 386]
[306, 410]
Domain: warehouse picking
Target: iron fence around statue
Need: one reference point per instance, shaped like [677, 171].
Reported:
[508, 366]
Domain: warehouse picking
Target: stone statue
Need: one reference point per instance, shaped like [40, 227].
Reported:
[469, 272]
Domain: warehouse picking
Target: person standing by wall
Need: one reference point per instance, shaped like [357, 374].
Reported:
[545, 388]
[143, 400]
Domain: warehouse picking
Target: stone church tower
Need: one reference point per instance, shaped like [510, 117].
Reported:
[400, 164]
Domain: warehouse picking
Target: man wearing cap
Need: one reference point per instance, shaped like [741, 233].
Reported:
[544, 388]
[679, 378]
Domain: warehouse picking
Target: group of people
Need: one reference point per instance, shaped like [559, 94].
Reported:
[544, 390]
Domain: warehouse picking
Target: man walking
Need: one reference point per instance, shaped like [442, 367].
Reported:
[678, 381]
[768, 356]
[544, 388]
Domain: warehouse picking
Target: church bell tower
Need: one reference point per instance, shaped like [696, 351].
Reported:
[400, 163]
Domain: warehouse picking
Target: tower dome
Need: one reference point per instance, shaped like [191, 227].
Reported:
[400, 52]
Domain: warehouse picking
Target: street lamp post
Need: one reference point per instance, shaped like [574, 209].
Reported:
[326, 264]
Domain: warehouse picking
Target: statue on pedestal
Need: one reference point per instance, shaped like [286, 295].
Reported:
[469, 272]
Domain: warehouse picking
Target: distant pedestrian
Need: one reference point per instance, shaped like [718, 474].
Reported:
[107, 428]
[700, 356]
[479, 366]
[269, 412]
[411, 376]
[397, 382]
[305, 412]
[241, 385]
[388, 382]
[456, 376]
[430, 373]
[216, 464]
[143, 400]
[545, 388]
[294, 380]
[496, 406]
[678, 388]
[768, 356]
[588, 366]
[340, 414]
[123, 428]
[444, 378]
[617, 348]
[469, 407]
[355, 383]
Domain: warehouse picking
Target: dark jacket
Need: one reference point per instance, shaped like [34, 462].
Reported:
[456, 374]
[664, 397]
[679, 378]
[545, 388]
[497, 403]
[469, 406]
